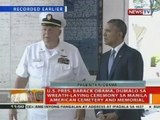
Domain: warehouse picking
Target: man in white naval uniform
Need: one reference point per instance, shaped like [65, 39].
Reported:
[47, 61]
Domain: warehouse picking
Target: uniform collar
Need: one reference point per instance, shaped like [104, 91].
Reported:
[59, 49]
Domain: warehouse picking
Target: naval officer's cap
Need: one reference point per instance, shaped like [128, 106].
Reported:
[52, 19]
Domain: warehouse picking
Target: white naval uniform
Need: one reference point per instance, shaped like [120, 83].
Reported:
[43, 68]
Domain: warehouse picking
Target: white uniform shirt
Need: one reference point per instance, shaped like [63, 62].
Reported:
[43, 68]
[64, 65]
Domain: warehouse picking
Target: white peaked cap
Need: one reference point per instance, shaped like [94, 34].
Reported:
[52, 18]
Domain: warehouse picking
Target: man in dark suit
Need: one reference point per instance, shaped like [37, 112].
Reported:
[120, 63]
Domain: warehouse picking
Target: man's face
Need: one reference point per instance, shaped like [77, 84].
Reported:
[50, 35]
[112, 35]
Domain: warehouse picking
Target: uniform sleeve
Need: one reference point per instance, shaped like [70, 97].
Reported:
[22, 68]
[80, 70]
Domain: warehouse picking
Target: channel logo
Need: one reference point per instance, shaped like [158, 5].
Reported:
[144, 12]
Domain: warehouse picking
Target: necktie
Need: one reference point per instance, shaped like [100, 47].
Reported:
[111, 60]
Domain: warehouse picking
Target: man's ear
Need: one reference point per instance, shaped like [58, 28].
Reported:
[121, 34]
[60, 32]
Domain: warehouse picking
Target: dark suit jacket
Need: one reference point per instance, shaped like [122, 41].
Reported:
[128, 66]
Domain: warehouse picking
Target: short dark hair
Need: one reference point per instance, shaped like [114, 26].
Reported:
[120, 24]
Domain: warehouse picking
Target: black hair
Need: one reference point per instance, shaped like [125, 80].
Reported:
[120, 24]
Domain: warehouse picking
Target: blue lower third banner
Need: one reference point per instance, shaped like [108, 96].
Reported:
[33, 8]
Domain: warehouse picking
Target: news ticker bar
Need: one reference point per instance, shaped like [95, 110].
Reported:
[107, 106]
[50, 107]
[147, 95]
[33, 8]
[87, 95]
